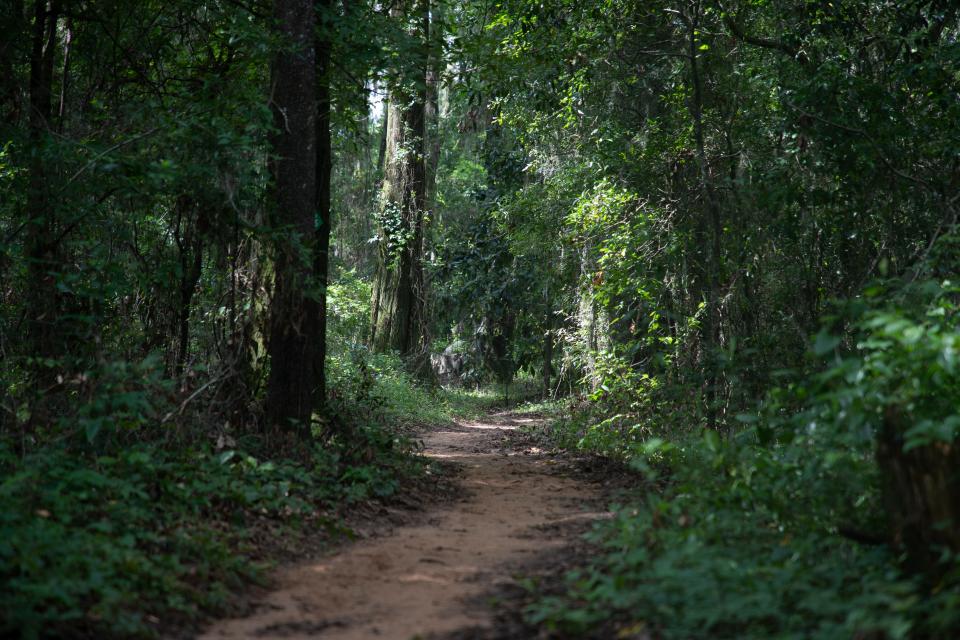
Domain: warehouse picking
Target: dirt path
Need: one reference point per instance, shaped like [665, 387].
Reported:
[431, 579]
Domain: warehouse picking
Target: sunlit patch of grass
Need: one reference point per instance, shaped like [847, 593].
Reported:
[410, 403]
[546, 407]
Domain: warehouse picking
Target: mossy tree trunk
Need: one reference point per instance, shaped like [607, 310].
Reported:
[398, 301]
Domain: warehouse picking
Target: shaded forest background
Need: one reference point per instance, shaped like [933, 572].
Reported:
[241, 243]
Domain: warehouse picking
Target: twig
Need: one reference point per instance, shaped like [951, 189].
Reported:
[183, 405]
[730, 20]
[92, 162]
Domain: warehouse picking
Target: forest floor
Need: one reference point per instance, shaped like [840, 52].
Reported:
[453, 570]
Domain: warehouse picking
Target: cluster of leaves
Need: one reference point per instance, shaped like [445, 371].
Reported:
[120, 544]
[730, 550]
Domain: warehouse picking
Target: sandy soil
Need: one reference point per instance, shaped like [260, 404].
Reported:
[431, 578]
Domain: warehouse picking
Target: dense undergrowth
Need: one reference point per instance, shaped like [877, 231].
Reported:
[121, 545]
[104, 536]
[780, 525]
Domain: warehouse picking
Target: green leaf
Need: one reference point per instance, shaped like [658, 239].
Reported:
[825, 343]
[712, 440]
[91, 429]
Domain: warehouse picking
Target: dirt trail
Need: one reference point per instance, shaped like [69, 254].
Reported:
[431, 579]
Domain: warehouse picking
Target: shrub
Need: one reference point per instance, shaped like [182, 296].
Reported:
[787, 528]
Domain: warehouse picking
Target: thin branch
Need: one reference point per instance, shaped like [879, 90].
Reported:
[257, 12]
[766, 43]
[183, 405]
[100, 155]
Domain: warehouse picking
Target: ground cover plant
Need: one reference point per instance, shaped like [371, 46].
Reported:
[130, 534]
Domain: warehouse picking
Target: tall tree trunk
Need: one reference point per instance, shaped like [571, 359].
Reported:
[398, 296]
[190, 244]
[40, 246]
[432, 105]
[294, 310]
[431, 128]
[547, 344]
[188, 286]
[64, 74]
[324, 165]
[382, 148]
[12, 24]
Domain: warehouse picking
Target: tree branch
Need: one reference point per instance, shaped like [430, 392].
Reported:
[766, 43]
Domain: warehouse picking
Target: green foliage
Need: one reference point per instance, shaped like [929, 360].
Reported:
[117, 402]
[650, 204]
[711, 558]
[348, 305]
[777, 530]
[124, 545]
[380, 388]
[905, 356]
[118, 521]
[702, 184]
[116, 544]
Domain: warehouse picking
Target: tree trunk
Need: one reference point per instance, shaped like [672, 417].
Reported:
[324, 165]
[398, 297]
[64, 74]
[294, 310]
[921, 489]
[432, 106]
[382, 148]
[547, 352]
[40, 244]
[12, 25]
[191, 267]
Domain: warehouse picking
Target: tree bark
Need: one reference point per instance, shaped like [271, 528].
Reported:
[294, 310]
[398, 297]
[190, 244]
[382, 148]
[13, 25]
[432, 108]
[547, 351]
[324, 166]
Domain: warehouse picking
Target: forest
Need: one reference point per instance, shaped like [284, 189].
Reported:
[273, 270]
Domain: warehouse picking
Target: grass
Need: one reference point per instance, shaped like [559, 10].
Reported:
[410, 405]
